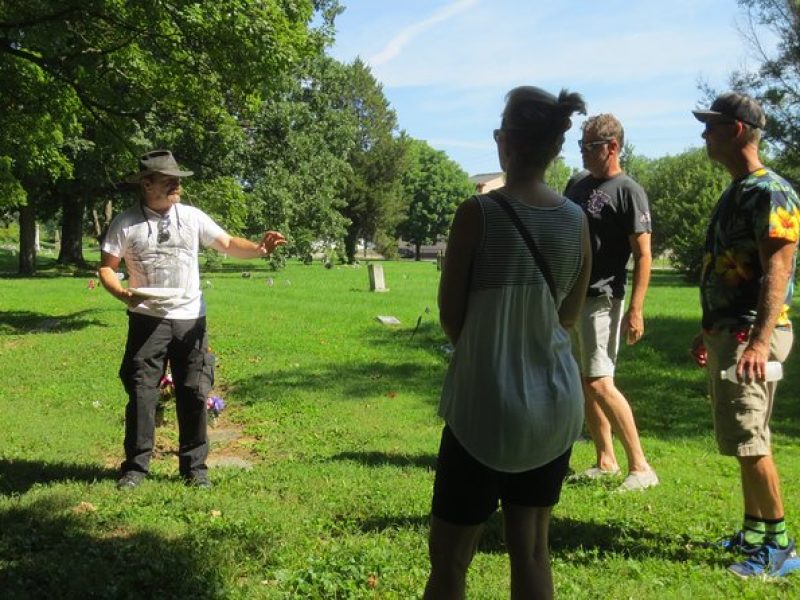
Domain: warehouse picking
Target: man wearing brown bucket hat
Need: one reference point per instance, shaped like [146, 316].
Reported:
[745, 292]
[159, 238]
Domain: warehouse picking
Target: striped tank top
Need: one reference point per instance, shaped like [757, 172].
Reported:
[512, 394]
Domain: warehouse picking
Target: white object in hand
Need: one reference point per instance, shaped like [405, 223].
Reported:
[152, 292]
[774, 372]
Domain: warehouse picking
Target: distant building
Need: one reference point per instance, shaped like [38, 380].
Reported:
[486, 182]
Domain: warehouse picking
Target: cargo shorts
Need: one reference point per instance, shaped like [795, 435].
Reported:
[741, 411]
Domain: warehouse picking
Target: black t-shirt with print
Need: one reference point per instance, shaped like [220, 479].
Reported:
[616, 208]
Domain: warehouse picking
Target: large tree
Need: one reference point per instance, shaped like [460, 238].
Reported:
[776, 82]
[434, 186]
[130, 75]
[373, 192]
[297, 165]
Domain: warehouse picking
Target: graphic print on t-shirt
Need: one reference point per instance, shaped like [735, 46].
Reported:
[603, 287]
[597, 200]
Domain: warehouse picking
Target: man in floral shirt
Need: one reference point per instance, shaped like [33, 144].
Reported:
[746, 290]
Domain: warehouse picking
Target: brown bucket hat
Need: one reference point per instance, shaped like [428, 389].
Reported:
[157, 161]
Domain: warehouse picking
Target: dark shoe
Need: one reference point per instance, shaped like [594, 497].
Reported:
[130, 480]
[199, 480]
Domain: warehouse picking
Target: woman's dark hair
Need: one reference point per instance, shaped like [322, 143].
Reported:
[534, 122]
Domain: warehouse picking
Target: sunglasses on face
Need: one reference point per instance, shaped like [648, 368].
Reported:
[592, 144]
[712, 125]
[168, 182]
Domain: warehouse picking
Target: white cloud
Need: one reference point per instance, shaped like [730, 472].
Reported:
[395, 45]
[446, 73]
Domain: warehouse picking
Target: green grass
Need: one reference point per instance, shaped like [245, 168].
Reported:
[338, 412]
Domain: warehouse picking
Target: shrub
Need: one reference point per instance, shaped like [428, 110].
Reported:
[683, 191]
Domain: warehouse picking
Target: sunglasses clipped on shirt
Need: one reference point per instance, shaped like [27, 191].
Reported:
[164, 222]
[163, 230]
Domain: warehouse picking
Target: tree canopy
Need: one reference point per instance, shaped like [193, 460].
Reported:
[98, 81]
[373, 190]
[683, 191]
[776, 81]
[433, 186]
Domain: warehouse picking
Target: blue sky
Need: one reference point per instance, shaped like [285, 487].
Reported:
[445, 65]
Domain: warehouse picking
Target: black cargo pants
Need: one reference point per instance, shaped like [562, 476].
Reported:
[151, 342]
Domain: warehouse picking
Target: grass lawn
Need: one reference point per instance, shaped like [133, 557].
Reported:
[337, 413]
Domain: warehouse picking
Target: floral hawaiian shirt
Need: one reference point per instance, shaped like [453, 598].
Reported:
[760, 206]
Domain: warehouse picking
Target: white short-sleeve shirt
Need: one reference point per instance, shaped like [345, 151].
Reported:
[171, 262]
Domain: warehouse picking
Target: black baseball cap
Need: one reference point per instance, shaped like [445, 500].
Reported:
[735, 106]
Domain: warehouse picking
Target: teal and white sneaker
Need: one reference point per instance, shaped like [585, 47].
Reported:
[767, 561]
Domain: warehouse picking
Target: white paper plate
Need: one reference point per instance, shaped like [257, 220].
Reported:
[150, 292]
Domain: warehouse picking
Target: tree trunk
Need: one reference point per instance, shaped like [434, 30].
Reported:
[350, 239]
[72, 209]
[418, 250]
[101, 226]
[98, 229]
[27, 240]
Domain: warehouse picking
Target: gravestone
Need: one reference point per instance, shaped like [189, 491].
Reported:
[376, 282]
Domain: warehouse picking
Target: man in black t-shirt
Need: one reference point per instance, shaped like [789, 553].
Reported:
[619, 225]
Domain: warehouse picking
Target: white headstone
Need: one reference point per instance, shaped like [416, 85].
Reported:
[388, 320]
[376, 283]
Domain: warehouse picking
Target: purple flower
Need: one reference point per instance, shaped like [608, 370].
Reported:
[215, 405]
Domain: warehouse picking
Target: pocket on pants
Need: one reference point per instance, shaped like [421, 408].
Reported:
[135, 373]
[200, 372]
[207, 374]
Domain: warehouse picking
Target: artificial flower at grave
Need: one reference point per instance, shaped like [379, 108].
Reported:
[214, 405]
[166, 394]
[166, 387]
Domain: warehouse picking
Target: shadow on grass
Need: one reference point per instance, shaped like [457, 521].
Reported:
[21, 322]
[18, 476]
[383, 459]
[347, 381]
[422, 333]
[584, 541]
[669, 394]
[581, 542]
[49, 549]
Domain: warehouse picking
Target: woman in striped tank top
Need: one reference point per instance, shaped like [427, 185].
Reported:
[514, 279]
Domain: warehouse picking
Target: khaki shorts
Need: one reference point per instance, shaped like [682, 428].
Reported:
[595, 337]
[741, 412]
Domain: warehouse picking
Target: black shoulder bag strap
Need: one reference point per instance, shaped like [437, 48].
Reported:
[537, 256]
